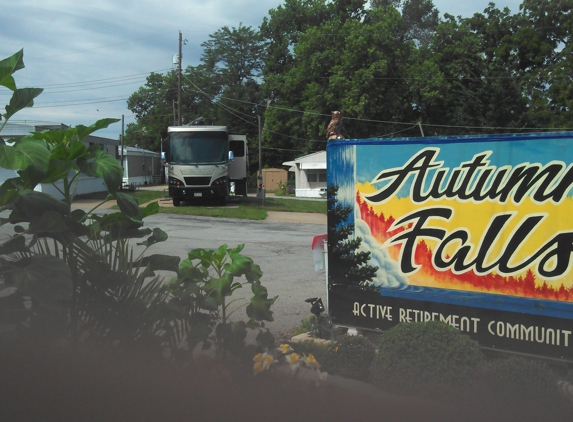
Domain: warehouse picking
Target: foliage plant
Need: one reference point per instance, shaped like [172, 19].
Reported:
[351, 357]
[423, 357]
[283, 188]
[317, 349]
[516, 387]
[202, 290]
[71, 274]
[74, 276]
[515, 379]
[306, 326]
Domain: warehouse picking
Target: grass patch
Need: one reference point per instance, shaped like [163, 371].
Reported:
[246, 213]
[288, 205]
[248, 208]
[144, 196]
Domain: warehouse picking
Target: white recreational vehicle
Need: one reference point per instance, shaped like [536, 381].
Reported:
[206, 162]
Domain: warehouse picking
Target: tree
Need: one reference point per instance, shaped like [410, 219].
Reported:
[346, 265]
[355, 67]
[153, 106]
[224, 89]
[544, 48]
[419, 20]
[465, 81]
[234, 58]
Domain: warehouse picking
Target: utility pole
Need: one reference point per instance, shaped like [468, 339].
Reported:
[179, 80]
[260, 188]
[122, 132]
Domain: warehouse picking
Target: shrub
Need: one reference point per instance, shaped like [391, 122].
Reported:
[417, 357]
[350, 357]
[515, 377]
[516, 389]
[318, 350]
[306, 326]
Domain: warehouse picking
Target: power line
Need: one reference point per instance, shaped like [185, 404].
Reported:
[79, 102]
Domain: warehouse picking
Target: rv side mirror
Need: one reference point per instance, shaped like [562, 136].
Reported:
[231, 155]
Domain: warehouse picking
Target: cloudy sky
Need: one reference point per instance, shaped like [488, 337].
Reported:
[91, 56]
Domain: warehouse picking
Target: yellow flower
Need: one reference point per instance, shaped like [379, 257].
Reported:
[312, 362]
[268, 360]
[285, 348]
[258, 367]
[258, 358]
[293, 360]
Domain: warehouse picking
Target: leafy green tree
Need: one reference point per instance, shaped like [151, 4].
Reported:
[465, 80]
[355, 67]
[224, 89]
[155, 102]
[283, 136]
[419, 20]
[543, 40]
[234, 59]
[153, 106]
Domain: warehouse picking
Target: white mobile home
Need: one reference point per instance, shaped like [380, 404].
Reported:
[140, 166]
[85, 184]
[310, 175]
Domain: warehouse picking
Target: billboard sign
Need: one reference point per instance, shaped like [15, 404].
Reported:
[473, 231]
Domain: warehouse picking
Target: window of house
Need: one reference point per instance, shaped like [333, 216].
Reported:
[316, 179]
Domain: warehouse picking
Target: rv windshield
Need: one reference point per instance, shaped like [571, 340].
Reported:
[198, 147]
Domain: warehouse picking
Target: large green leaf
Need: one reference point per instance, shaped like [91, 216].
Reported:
[48, 222]
[14, 244]
[243, 265]
[42, 277]
[8, 157]
[129, 206]
[33, 154]
[150, 209]
[221, 287]
[8, 66]
[157, 236]
[158, 262]
[31, 205]
[57, 170]
[67, 152]
[21, 98]
[23, 154]
[101, 164]
[118, 223]
[8, 192]
[84, 131]
[259, 307]
[187, 270]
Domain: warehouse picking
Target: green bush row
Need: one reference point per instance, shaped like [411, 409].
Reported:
[435, 360]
